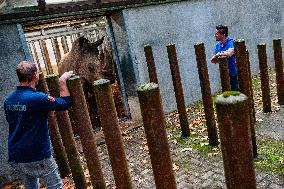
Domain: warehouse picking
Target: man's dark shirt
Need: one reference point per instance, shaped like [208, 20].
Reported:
[27, 112]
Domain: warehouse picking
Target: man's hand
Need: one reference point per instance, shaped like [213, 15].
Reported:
[66, 76]
[215, 59]
[62, 83]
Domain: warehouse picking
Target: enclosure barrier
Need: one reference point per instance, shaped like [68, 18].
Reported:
[57, 145]
[264, 78]
[244, 84]
[224, 73]
[35, 57]
[64, 44]
[114, 143]
[46, 57]
[279, 70]
[253, 119]
[150, 64]
[68, 139]
[238, 150]
[155, 130]
[206, 93]
[81, 117]
[55, 45]
[51, 54]
[234, 122]
[173, 61]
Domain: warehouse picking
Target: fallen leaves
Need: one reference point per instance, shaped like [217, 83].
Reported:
[186, 149]
[214, 152]
[127, 137]
[12, 186]
[175, 167]
[139, 180]
[174, 141]
[281, 160]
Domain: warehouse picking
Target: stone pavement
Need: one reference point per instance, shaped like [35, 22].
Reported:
[193, 168]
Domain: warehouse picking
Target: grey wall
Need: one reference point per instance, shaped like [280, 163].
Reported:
[11, 52]
[185, 23]
[124, 51]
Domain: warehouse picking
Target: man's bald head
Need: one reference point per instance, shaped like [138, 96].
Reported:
[26, 71]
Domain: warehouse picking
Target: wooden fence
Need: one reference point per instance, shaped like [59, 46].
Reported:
[48, 46]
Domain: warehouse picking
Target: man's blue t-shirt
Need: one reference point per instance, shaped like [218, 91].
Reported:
[27, 112]
[231, 60]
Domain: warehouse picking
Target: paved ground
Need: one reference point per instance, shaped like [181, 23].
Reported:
[194, 168]
[196, 164]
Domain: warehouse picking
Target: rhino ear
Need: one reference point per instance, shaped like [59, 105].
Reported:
[99, 42]
[82, 42]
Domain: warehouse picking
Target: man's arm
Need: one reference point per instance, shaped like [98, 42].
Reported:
[49, 103]
[214, 58]
[228, 53]
[62, 83]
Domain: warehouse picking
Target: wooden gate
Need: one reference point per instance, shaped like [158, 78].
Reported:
[49, 43]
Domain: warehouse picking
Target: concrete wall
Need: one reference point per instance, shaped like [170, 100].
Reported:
[129, 70]
[11, 53]
[185, 23]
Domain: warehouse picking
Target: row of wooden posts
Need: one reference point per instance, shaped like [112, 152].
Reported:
[231, 154]
[154, 123]
[244, 77]
[63, 141]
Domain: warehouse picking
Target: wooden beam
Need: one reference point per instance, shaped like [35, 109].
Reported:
[76, 9]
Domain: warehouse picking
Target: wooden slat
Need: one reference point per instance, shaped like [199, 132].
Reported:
[46, 58]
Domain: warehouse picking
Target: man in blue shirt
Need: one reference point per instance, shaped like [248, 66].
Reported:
[225, 47]
[26, 112]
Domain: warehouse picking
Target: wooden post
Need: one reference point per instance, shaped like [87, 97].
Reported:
[81, 117]
[41, 5]
[206, 93]
[155, 129]
[150, 64]
[244, 82]
[224, 73]
[109, 121]
[253, 119]
[68, 139]
[264, 78]
[234, 122]
[57, 145]
[173, 61]
[279, 70]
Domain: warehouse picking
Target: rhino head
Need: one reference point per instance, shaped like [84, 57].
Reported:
[90, 60]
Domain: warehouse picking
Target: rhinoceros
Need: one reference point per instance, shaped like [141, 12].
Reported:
[91, 64]
[87, 61]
